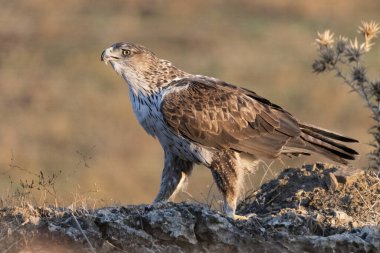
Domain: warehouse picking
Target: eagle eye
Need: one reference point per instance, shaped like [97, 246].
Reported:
[126, 52]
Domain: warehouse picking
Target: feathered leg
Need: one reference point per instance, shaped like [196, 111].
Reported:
[174, 176]
[228, 177]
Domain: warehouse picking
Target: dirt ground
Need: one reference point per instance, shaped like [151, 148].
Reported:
[316, 208]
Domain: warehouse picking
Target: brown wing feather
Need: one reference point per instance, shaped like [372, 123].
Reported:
[219, 115]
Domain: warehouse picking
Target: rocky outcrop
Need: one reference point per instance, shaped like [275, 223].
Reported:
[285, 223]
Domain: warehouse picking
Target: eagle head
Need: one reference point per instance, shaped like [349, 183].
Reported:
[128, 54]
[140, 67]
[135, 63]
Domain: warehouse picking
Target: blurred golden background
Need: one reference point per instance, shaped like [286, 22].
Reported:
[63, 110]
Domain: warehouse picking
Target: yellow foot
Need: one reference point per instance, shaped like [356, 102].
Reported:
[240, 217]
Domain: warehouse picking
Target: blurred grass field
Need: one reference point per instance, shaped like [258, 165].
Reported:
[63, 110]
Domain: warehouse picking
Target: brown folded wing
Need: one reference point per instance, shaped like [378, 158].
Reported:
[223, 116]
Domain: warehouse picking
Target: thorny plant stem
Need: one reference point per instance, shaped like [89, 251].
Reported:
[360, 91]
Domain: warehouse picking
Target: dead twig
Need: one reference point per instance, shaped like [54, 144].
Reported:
[84, 235]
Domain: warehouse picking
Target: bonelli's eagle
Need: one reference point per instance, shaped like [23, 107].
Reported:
[203, 120]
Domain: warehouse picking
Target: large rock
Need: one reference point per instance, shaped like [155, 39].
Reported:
[297, 212]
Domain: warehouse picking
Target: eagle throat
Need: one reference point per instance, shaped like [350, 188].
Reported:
[146, 81]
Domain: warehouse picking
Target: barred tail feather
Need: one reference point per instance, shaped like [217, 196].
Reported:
[323, 142]
[327, 133]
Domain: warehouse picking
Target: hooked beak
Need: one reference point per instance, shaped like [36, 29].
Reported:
[107, 55]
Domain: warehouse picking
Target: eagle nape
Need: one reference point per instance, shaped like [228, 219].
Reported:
[204, 120]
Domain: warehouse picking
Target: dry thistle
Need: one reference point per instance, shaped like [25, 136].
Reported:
[355, 51]
[369, 30]
[344, 57]
[341, 44]
[325, 39]
[359, 74]
[376, 90]
[319, 66]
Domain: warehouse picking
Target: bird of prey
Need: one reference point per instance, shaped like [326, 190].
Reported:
[203, 120]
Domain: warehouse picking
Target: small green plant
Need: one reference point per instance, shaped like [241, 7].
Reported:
[344, 57]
